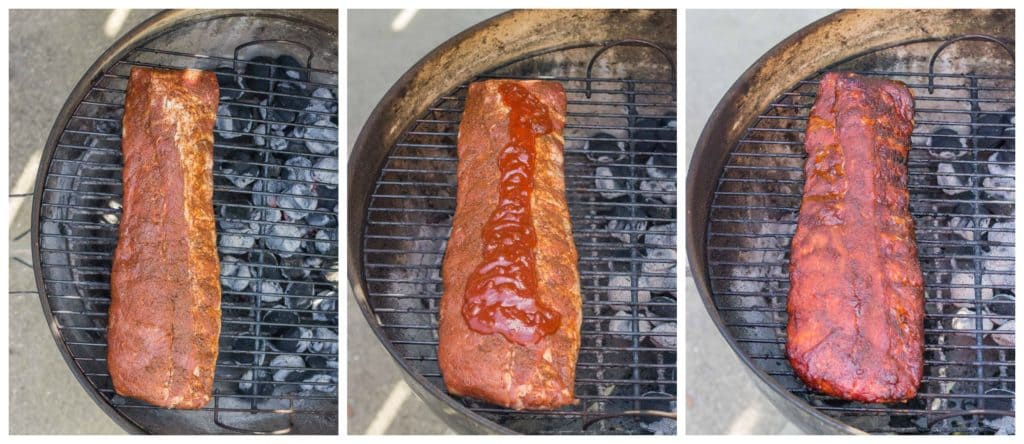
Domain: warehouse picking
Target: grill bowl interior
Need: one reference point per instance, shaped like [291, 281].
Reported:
[962, 202]
[408, 217]
[76, 210]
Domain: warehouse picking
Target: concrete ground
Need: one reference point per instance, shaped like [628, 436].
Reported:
[49, 52]
[379, 401]
[720, 45]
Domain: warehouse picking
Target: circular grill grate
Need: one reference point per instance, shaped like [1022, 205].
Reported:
[961, 188]
[277, 367]
[625, 236]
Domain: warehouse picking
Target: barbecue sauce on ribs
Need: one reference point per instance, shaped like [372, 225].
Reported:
[501, 294]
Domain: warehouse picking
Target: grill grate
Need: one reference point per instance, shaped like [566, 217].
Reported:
[278, 345]
[961, 188]
[627, 359]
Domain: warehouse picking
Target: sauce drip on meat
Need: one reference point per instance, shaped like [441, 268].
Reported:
[501, 295]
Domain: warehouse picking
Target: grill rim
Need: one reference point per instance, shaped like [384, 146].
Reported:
[360, 192]
[697, 251]
[150, 29]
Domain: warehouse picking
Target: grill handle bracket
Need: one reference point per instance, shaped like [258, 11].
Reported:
[239, 48]
[629, 42]
[972, 37]
[286, 430]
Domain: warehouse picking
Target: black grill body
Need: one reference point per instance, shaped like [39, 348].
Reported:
[277, 366]
[620, 119]
[961, 186]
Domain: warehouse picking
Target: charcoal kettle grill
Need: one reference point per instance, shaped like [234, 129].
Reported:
[617, 68]
[745, 184]
[275, 202]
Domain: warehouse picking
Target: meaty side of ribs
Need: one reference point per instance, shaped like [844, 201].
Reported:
[165, 286]
[856, 298]
[491, 367]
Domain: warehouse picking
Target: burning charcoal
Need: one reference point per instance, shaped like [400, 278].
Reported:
[326, 305]
[293, 340]
[258, 68]
[947, 138]
[230, 268]
[962, 288]
[239, 167]
[294, 268]
[627, 323]
[320, 382]
[332, 276]
[329, 246]
[235, 207]
[290, 362]
[283, 238]
[284, 99]
[246, 350]
[249, 384]
[328, 341]
[227, 80]
[298, 168]
[622, 219]
[302, 292]
[321, 137]
[963, 218]
[270, 268]
[1002, 305]
[1001, 250]
[664, 335]
[663, 426]
[112, 218]
[611, 181]
[286, 69]
[270, 291]
[620, 296]
[278, 319]
[607, 149]
[265, 194]
[233, 121]
[989, 130]
[653, 132]
[318, 219]
[278, 143]
[662, 307]
[290, 88]
[1000, 185]
[299, 196]
[660, 248]
[661, 185]
[1005, 334]
[326, 170]
[663, 283]
[258, 133]
[238, 236]
[966, 319]
[954, 177]
[310, 262]
[326, 104]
